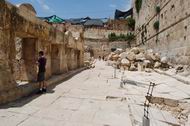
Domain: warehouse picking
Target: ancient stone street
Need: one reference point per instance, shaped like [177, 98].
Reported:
[94, 98]
[79, 101]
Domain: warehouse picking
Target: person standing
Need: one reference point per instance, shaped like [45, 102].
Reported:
[41, 72]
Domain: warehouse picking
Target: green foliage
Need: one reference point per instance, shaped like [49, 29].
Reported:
[113, 37]
[158, 9]
[130, 37]
[157, 25]
[131, 23]
[138, 5]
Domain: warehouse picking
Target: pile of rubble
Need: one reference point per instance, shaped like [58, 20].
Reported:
[137, 59]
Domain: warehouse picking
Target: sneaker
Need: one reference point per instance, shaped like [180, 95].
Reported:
[44, 90]
[40, 92]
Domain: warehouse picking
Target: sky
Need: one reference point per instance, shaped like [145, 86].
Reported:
[77, 8]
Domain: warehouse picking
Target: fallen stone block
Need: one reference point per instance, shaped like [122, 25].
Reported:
[135, 50]
[141, 67]
[131, 56]
[157, 65]
[164, 60]
[123, 55]
[140, 56]
[125, 62]
[132, 68]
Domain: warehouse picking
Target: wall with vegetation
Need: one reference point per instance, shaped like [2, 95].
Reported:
[164, 25]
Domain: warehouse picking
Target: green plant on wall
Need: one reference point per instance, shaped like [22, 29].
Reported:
[112, 37]
[128, 37]
[131, 23]
[138, 4]
[158, 9]
[156, 25]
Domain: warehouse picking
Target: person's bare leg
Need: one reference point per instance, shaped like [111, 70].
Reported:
[44, 86]
[41, 85]
[40, 88]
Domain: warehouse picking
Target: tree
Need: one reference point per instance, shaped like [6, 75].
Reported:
[138, 4]
[156, 25]
[112, 37]
[131, 23]
[130, 37]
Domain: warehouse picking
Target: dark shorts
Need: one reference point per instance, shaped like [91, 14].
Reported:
[41, 76]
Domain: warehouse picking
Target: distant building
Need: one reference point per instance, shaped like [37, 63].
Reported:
[94, 23]
[123, 15]
[53, 19]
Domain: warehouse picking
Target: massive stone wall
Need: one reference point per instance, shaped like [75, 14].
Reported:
[34, 35]
[97, 39]
[98, 33]
[172, 38]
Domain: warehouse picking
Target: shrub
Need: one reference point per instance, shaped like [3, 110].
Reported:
[157, 25]
[158, 9]
[138, 4]
[113, 37]
[131, 23]
[130, 37]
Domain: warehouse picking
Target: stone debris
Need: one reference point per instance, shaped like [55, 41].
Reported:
[137, 59]
[181, 110]
[90, 63]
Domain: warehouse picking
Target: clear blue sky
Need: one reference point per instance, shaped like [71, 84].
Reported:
[77, 8]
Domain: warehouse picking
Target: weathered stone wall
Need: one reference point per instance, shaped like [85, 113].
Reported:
[35, 35]
[97, 33]
[97, 39]
[103, 47]
[172, 38]
[6, 78]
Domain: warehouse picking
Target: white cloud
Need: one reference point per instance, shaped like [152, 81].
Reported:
[43, 5]
[127, 5]
[112, 5]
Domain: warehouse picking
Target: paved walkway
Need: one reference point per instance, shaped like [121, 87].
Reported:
[91, 98]
[94, 98]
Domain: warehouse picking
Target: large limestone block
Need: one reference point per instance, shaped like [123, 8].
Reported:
[164, 60]
[157, 56]
[157, 65]
[132, 68]
[111, 56]
[115, 57]
[150, 56]
[140, 56]
[140, 66]
[123, 55]
[125, 62]
[135, 50]
[147, 63]
[131, 56]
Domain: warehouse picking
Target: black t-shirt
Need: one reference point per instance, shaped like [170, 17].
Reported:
[42, 64]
